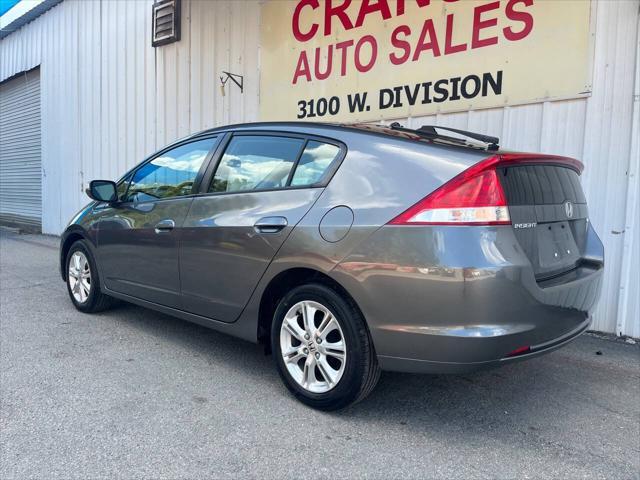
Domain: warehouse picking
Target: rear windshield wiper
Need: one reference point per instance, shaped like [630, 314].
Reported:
[430, 131]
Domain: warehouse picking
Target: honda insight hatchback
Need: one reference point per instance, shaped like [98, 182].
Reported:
[347, 249]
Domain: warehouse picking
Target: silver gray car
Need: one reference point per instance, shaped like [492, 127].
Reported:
[347, 249]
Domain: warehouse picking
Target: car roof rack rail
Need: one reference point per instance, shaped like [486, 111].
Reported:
[430, 131]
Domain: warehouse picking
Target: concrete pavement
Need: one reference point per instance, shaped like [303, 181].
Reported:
[131, 393]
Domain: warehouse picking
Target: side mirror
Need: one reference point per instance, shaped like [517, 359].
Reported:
[102, 191]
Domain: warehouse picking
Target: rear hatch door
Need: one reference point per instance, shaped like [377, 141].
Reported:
[548, 211]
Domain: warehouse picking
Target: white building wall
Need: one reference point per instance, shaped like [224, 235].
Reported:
[109, 99]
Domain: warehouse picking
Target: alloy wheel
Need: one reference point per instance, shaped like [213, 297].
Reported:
[313, 346]
[79, 277]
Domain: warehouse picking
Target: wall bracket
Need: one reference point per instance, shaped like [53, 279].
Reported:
[235, 78]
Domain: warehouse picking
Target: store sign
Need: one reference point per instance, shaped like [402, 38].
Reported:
[328, 60]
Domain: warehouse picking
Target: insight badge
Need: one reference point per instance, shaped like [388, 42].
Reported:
[525, 225]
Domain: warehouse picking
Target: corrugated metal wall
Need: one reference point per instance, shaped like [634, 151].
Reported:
[109, 99]
[628, 318]
[20, 164]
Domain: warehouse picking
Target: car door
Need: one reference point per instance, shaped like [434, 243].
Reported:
[137, 239]
[259, 187]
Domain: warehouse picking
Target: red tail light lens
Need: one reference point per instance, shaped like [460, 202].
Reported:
[474, 197]
[519, 351]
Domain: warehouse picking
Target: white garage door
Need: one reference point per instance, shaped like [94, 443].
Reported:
[20, 162]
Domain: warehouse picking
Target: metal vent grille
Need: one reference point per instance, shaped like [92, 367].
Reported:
[166, 22]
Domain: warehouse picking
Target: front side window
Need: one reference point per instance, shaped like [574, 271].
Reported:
[122, 187]
[314, 163]
[171, 174]
[254, 162]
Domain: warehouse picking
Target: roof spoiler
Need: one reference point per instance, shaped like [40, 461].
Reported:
[430, 131]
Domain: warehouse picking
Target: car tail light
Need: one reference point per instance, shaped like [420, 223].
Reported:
[474, 197]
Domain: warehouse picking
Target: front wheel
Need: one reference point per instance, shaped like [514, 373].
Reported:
[322, 348]
[82, 280]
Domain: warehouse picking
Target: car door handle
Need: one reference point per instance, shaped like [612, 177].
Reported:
[270, 224]
[165, 226]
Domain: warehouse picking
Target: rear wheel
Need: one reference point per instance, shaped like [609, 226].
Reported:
[82, 280]
[322, 348]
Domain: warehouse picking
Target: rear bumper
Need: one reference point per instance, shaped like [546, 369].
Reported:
[412, 365]
[456, 299]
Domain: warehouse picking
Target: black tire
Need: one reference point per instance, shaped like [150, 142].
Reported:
[96, 300]
[361, 369]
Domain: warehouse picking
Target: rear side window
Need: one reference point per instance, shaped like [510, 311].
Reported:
[256, 163]
[314, 163]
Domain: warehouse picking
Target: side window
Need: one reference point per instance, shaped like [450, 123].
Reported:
[314, 163]
[171, 174]
[122, 187]
[256, 162]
